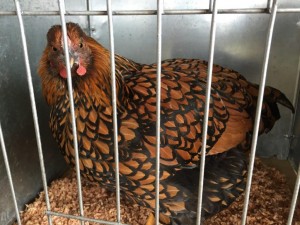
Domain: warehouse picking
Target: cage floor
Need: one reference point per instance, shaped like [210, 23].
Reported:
[269, 203]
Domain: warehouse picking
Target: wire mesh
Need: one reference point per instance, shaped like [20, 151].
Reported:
[271, 7]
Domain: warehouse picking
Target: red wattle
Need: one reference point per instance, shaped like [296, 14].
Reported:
[63, 72]
[81, 70]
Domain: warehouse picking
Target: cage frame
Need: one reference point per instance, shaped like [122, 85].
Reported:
[271, 9]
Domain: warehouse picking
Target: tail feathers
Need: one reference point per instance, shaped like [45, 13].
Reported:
[280, 98]
[270, 112]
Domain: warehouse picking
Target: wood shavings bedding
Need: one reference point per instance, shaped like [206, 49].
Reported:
[269, 203]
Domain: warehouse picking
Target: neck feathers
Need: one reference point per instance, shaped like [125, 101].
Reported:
[96, 84]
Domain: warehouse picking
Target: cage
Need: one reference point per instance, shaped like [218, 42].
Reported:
[252, 37]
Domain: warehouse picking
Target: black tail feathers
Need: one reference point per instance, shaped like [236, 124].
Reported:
[283, 100]
[270, 112]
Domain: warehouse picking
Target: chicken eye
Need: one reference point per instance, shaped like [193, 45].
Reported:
[54, 49]
[80, 45]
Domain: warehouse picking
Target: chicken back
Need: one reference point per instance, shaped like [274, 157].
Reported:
[184, 81]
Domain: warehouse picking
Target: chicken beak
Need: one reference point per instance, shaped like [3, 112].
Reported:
[72, 60]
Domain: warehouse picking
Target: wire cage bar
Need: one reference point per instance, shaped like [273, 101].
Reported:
[149, 12]
[114, 104]
[160, 9]
[33, 107]
[272, 9]
[83, 218]
[10, 180]
[207, 106]
[259, 109]
[294, 199]
[72, 107]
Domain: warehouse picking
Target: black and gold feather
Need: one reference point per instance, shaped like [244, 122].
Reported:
[184, 82]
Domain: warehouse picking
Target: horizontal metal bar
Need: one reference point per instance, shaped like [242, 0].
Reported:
[288, 10]
[82, 218]
[150, 12]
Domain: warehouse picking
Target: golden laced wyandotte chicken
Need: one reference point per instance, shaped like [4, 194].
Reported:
[231, 118]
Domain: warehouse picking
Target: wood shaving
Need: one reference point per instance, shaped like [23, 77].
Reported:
[269, 203]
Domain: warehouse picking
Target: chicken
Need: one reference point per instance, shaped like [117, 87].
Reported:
[231, 117]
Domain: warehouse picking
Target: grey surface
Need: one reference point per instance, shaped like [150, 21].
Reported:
[240, 41]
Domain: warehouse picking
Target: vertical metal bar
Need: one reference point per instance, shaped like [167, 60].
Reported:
[207, 104]
[290, 136]
[88, 7]
[292, 124]
[114, 104]
[33, 107]
[160, 6]
[258, 110]
[62, 11]
[6, 162]
[294, 199]
[211, 5]
[269, 5]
